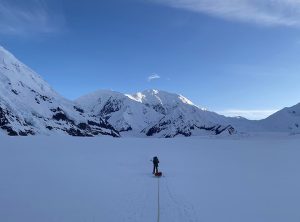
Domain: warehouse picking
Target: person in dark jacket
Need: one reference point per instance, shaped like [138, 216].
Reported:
[155, 164]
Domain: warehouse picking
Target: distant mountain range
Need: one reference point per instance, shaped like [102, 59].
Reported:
[154, 113]
[29, 106]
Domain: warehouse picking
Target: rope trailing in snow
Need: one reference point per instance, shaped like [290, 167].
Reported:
[158, 207]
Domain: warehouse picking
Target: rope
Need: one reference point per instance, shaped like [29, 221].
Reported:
[158, 204]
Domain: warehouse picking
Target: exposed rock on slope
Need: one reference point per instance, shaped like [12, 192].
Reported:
[154, 113]
[125, 114]
[29, 106]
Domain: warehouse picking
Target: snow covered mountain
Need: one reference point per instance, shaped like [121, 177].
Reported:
[154, 113]
[125, 114]
[29, 106]
[180, 116]
[285, 120]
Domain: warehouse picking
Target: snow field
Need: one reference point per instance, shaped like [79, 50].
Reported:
[61, 179]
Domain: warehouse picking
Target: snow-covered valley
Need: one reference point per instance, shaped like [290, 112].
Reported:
[61, 179]
[231, 170]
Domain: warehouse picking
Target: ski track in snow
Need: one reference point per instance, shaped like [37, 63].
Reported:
[139, 204]
[171, 207]
[63, 179]
[174, 208]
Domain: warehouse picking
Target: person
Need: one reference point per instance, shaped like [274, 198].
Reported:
[155, 164]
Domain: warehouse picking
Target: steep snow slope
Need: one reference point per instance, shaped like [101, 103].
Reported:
[181, 116]
[154, 113]
[161, 101]
[122, 112]
[28, 105]
[285, 120]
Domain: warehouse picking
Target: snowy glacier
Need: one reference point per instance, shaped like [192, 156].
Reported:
[211, 179]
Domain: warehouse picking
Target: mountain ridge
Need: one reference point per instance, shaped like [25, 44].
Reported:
[172, 113]
[29, 106]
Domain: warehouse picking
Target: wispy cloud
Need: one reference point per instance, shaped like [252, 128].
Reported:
[30, 16]
[263, 12]
[153, 76]
[249, 114]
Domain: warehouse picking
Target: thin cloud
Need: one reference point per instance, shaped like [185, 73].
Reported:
[30, 16]
[249, 114]
[262, 12]
[152, 77]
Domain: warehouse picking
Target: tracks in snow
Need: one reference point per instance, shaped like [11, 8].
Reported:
[156, 200]
[174, 208]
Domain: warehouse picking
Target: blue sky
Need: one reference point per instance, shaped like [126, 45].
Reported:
[234, 57]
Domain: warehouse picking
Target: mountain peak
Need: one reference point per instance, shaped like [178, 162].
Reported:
[155, 96]
[29, 106]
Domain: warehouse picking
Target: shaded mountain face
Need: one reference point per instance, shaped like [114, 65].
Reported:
[29, 106]
[126, 115]
[285, 120]
[154, 113]
[180, 116]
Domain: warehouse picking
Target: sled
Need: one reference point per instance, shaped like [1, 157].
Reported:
[158, 174]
